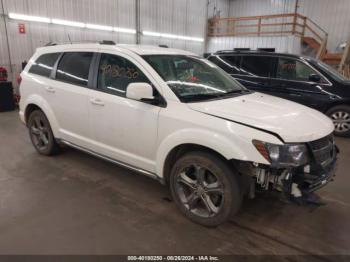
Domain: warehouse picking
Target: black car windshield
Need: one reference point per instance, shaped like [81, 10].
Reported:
[194, 79]
[330, 70]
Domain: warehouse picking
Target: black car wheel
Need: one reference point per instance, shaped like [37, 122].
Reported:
[41, 134]
[340, 116]
[205, 188]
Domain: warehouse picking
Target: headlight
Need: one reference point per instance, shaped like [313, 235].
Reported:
[287, 155]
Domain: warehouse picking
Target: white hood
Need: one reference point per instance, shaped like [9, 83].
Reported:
[291, 121]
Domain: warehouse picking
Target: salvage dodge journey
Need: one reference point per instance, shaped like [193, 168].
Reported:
[178, 118]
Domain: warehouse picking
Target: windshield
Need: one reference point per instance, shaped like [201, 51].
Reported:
[330, 70]
[194, 79]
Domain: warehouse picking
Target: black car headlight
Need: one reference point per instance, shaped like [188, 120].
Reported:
[287, 155]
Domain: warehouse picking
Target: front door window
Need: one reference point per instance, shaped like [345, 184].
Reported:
[116, 73]
[292, 69]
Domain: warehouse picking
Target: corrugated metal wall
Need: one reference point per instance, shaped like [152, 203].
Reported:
[183, 17]
[284, 44]
[333, 16]
[260, 7]
[179, 17]
[219, 8]
[231, 8]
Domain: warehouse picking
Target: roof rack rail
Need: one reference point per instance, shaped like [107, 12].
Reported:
[259, 50]
[223, 51]
[241, 49]
[107, 42]
[267, 49]
[50, 44]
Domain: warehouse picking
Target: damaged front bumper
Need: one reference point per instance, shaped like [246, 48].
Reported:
[323, 161]
[317, 178]
[296, 182]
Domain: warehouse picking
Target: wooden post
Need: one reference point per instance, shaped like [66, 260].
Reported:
[233, 27]
[322, 50]
[294, 23]
[345, 60]
[295, 16]
[259, 26]
[304, 26]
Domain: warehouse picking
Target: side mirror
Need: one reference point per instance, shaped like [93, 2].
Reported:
[140, 92]
[314, 78]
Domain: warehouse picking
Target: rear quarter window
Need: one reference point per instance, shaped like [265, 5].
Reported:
[44, 64]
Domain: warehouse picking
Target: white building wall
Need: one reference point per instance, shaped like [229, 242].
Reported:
[283, 44]
[179, 17]
[236, 8]
[260, 7]
[183, 17]
[332, 15]
[218, 8]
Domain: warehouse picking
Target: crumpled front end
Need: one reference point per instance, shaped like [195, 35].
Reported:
[323, 153]
[296, 182]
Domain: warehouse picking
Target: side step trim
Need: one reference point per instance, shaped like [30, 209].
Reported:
[119, 163]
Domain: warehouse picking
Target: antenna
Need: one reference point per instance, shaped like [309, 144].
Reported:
[70, 41]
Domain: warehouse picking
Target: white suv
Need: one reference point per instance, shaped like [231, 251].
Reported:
[178, 118]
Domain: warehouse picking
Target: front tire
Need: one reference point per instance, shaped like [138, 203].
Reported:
[340, 116]
[41, 134]
[205, 188]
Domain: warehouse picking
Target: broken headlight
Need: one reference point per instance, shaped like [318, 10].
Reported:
[287, 155]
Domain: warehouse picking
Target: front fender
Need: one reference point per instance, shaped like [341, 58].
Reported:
[212, 140]
[39, 101]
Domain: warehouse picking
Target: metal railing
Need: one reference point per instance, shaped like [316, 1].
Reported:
[265, 25]
[344, 66]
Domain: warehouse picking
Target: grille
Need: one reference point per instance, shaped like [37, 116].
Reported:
[323, 150]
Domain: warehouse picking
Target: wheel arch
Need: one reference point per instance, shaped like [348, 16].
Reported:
[336, 103]
[180, 150]
[186, 140]
[36, 102]
[29, 109]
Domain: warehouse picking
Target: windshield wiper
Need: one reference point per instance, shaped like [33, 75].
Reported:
[207, 96]
[199, 97]
[236, 91]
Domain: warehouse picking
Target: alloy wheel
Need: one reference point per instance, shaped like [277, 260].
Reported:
[341, 121]
[39, 133]
[200, 191]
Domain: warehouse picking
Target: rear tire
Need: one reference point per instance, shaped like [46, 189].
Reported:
[205, 188]
[340, 116]
[41, 134]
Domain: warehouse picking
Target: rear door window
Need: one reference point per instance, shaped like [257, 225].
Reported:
[74, 67]
[259, 66]
[44, 64]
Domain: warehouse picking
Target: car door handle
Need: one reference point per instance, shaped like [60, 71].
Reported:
[96, 101]
[50, 89]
